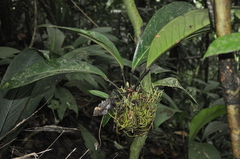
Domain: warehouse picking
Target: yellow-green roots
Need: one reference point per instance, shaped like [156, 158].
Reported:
[135, 110]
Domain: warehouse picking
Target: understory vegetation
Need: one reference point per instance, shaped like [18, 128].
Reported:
[119, 79]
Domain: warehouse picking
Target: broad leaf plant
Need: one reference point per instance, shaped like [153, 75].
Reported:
[135, 107]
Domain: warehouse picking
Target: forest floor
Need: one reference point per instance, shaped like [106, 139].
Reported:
[56, 143]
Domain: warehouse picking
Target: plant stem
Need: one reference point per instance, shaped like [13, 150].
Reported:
[229, 75]
[136, 146]
[135, 18]
[137, 24]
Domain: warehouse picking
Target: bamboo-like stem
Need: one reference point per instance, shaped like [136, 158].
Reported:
[135, 18]
[229, 75]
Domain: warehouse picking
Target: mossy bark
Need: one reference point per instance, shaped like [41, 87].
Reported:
[228, 75]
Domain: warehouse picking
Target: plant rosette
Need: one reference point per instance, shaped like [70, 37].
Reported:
[135, 110]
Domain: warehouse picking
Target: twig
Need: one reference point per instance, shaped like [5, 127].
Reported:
[23, 121]
[35, 23]
[52, 128]
[70, 153]
[53, 142]
[84, 154]
[7, 143]
[32, 154]
[105, 78]
[48, 11]
[84, 13]
[99, 133]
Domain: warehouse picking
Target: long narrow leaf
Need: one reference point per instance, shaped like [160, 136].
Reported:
[204, 117]
[173, 82]
[67, 101]
[45, 69]
[26, 58]
[91, 143]
[18, 104]
[162, 17]
[97, 38]
[56, 39]
[7, 52]
[12, 105]
[213, 127]
[163, 113]
[99, 93]
[175, 31]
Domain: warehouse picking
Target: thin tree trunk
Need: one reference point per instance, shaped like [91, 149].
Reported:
[137, 146]
[135, 19]
[228, 75]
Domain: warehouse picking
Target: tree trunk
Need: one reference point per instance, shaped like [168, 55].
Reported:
[228, 75]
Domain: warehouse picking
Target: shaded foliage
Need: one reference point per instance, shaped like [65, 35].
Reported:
[70, 105]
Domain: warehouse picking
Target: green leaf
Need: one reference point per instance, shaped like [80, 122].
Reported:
[170, 100]
[26, 58]
[146, 83]
[224, 44]
[220, 135]
[84, 86]
[219, 101]
[13, 103]
[211, 85]
[101, 82]
[7, 52]
[92, 144]
[203, 117]
[103, 30]
[157, 69]
[198, 150]
[175, 31]
[163, 113]
[237, 13]
[5, 61]
[45, 54]
[56, 38]
[162, 17]
[214, 127]
[81, 76]
[106, 117]
[173, 82]
[97, 38]
[67, 101]
[46, 68]
[54, 104]
[99, 93]
[18, 104]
